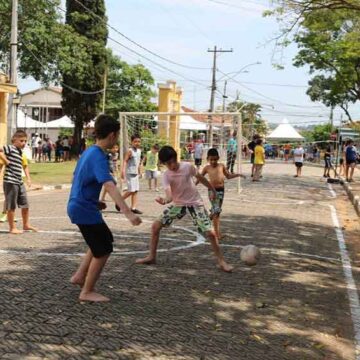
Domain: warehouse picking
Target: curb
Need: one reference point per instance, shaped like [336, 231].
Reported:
[52, 187]
[355, 199]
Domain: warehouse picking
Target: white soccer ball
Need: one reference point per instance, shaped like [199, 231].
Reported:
[250, 255]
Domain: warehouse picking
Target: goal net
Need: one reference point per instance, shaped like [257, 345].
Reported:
[191, 134]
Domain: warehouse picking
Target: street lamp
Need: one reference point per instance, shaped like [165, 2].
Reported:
[242, 70]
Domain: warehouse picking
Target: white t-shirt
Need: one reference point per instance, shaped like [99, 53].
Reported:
[199, 149]
[299, 155]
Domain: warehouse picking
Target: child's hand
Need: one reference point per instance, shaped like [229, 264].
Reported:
[160, 200]
[212, 195]
[29, 183]
[134, 219]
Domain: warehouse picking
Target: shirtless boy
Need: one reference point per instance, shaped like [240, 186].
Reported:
[217, 173]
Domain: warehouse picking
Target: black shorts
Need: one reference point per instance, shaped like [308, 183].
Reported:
[328, 164]
[198, 162]
[99, 238]
[299, 164]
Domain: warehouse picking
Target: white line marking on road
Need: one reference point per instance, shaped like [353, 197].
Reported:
[350, 282]
[332, 192]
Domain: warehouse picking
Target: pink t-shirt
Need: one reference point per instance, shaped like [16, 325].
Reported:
[182, 186]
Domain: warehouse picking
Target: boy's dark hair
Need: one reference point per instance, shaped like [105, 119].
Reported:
[105, 125]
[19, 134]
[166, 154]
[213, 152]
[135, 136]
[256, 137]
[156, 147]
[259, 141]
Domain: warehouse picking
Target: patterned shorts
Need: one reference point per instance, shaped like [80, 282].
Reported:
[216, 204]
[198, 213]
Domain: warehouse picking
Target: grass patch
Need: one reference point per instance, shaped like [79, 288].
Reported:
[52, 173]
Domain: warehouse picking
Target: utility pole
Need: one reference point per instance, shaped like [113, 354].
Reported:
[331, 118]
[215, 51]
[104, 93]
[13, 66]
[223, 119]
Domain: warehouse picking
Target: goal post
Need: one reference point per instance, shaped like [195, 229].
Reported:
[181, 130]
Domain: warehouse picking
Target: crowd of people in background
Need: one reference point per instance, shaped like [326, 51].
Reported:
[43, 149]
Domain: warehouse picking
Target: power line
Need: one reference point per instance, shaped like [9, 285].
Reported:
[236, 6]
[136, 43]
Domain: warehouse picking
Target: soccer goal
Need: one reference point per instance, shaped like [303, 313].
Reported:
[184, 131]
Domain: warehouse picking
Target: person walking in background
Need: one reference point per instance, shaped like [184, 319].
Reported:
[151, 161]
[351, 160]
[231, 151]
[328, 163]
[259, 159]
[66, 148]
[287, 151]
[299, 159]
[58, 149]
[251, 147]
[198, 153]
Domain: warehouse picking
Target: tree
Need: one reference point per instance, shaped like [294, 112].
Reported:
[329, 43]
[39, 32]
[90, 26]
[251, 117]
[129, 87]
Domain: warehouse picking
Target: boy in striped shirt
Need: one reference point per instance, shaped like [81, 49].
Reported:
[14, 188]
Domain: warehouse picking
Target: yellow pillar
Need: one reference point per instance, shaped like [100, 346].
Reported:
[170, 101]
[5, 90]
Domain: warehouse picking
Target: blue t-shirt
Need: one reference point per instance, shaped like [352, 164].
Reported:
[351, 153]
[91, 172]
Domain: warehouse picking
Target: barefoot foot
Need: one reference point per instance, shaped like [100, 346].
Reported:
[225, 267]
[30, 228]
[93, 296]
[15, 232]
[146, 261]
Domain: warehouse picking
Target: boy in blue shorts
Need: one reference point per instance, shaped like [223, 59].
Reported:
[91, 173]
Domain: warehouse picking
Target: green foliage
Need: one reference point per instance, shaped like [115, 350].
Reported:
[329, 43]
[129, 87]
[320, 133]
[65, 132]
[251, 117]
[148, 139]
[91, 31]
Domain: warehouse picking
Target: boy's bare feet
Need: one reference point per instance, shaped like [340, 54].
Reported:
[15, 232]
[76, 280]
[146, 261]
[93, 296]
[30, 228]
[225, 267]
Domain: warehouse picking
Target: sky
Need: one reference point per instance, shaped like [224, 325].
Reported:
[182, 31]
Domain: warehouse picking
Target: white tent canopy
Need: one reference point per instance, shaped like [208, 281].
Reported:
[63, 122]
[26, 122]
[284, 132]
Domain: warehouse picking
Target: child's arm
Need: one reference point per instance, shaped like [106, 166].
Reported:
[202, 179]
[126, 159]
[4, 158]
[167, 199]
[27, 174]
[232, 176]
[203, 173]
[112, 190]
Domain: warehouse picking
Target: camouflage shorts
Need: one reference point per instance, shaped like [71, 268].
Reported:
[217, 203]
[198, 213]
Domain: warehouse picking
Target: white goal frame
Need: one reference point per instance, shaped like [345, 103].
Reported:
[236, 115]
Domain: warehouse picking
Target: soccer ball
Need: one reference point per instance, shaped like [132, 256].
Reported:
[250, 255]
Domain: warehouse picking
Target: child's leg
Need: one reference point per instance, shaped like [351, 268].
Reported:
[216, 223]
[26, 220]
[156, 183]
[88, 291]
[134, 198]
[155, 234]
[149, 183]
[11, 220]
[79, 276]
[217, 251]
[352, 169]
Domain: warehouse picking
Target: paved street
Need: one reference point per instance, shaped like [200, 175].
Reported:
[293, 305]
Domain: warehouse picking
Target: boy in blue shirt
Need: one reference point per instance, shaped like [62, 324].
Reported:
[91, 173]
